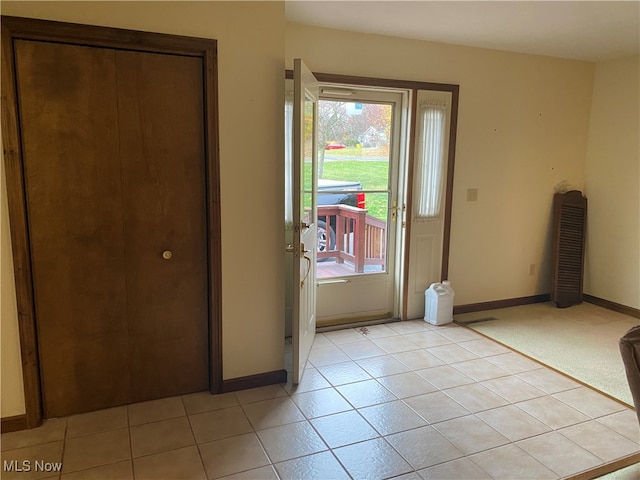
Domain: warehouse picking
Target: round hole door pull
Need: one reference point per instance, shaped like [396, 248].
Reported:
[167, 254]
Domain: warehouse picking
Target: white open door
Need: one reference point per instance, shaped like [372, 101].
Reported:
[305, 235]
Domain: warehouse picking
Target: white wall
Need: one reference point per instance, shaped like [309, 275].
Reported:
[613, 184]
[251, 91]
[523, 124]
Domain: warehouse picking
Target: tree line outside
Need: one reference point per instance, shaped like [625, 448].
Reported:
[364, 129]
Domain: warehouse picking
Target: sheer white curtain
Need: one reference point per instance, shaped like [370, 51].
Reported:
[432, 160]
[288, 156]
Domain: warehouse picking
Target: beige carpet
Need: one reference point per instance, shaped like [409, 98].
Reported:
[580, 341]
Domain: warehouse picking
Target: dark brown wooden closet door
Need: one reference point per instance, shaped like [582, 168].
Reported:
[113, 145]
[68, 112]
[160, 100]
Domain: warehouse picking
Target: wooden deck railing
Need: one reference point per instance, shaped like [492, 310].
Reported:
[359, 238]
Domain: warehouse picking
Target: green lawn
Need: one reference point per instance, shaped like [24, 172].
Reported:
[372, 176]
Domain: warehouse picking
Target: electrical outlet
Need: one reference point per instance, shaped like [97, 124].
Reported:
[532, 269]
[472, 194]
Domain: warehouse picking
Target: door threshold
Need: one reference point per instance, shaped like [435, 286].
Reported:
[354, 324]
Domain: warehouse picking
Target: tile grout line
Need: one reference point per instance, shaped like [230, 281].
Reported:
[289, 394]
[515, 404]
[195, 440]
[380, 436]
[133, 467]
[64, 446]
[255, 433]
[308, 420]
[432, 425]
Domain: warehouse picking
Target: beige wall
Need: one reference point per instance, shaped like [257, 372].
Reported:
[613, 184]
[251, 90]
[523, 128]
[523, 124]
[11, 386]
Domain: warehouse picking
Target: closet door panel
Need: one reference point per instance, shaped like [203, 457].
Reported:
[67, 104]
[161, 120]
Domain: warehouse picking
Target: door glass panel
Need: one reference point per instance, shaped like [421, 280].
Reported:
[306, 172]
[353, 190]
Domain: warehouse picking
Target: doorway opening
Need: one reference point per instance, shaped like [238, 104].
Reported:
[361, 139]
[383, 192]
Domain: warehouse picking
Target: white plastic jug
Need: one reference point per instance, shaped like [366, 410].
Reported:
[438, 303]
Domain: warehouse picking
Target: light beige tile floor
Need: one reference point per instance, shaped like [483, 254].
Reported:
[406, 400]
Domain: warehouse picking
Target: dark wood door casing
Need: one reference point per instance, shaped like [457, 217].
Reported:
[414, 87]
[128, 45]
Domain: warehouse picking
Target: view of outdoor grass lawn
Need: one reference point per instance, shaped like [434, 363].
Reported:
[372, 175]
[354, 141]
[371, 169]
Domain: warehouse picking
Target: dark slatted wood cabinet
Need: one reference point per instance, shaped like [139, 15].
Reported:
[569, 229]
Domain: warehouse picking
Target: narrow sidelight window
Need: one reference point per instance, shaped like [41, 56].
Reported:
[431, 160]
